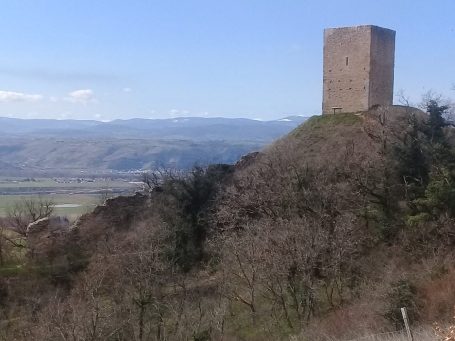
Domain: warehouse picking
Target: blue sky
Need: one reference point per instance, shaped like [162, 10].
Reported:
[107, 59]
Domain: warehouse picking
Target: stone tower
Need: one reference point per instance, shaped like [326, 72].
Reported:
[358, 68]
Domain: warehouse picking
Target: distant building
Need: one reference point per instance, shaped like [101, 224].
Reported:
[358, 68]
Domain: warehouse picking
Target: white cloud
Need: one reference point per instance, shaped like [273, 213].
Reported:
[83, 96]
[11, 96]
[127, 90]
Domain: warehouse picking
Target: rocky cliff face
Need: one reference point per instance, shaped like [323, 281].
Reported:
[117, 212]
[108, 220]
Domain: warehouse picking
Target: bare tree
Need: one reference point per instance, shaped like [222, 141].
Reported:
[87, 314]
[241, 268]
[27, 211]
[151, 180]
[403, 98]
[147, 275]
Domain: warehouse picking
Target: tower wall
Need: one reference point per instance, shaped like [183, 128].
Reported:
[358, 68]
[382, 66]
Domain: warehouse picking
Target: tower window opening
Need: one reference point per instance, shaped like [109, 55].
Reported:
[347, 61]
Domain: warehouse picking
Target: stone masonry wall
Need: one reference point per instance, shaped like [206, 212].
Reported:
[358, 68]
[382, 66]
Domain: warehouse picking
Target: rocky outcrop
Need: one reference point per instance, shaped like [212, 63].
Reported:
[106, 221]
[247, 160]
[116, 213]
[44, 234]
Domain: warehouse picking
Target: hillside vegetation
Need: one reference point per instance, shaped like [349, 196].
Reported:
[324, 235]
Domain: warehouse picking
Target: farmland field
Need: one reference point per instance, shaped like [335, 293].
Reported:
[72, 197]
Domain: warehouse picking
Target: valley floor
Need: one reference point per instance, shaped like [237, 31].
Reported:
[71, 196]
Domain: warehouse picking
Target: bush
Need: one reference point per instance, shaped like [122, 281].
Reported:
[188, 210]
[202, 336]
[401, 294]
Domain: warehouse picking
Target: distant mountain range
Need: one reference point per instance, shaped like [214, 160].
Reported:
[71, 147]
[186, 128]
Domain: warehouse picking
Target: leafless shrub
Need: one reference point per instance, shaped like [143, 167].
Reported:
[279, 268]
[86, 314]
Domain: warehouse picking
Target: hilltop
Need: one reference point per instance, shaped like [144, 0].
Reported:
[352, 214]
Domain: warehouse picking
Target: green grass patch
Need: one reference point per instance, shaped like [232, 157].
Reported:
[325, 122]
[322, 121]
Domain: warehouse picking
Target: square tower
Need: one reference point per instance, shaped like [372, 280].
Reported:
[358, 68]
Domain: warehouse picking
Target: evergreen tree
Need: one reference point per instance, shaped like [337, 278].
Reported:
[436, 121]
[192, 197]
[413, 166]
[439, 191]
